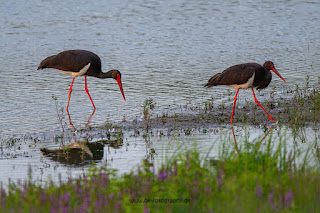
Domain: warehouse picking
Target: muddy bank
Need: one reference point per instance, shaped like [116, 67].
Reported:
[303, 109]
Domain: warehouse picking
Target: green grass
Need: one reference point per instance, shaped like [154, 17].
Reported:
[262, 177]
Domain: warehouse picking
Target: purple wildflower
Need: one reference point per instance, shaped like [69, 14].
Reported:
[3, 196]
[98, 205]
[188, 165]
[105, 177]
[94, 179]
[308, 173]
[65, 209]
[207, 189]
[23, 191]
[146, 209]
[66, 197]
[133, 193]
[120, 195]
[69, 180]
[220, 177]
[77, 189]
[219, 181]
[147, 185]
[221, 172]
[259, 191]
[43, 198]
[195, 187]
[87, 201]
[270, 197]
[288, 199]
[52, 198]
[270, 200]
[53, 209]
[111, 196]
[195, 190]
[162, 175]
[104, 199]
[83, 208]
[85, 184]
[118, 205]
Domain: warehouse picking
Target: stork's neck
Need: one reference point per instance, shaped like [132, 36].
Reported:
[106, 74]
[267, 73]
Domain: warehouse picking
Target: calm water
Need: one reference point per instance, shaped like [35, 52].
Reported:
[165, 50]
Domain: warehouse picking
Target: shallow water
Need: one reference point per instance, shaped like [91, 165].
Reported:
[27, 154]
[165, 50]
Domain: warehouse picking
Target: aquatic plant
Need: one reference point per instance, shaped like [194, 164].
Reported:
[305, 105]
[147, 112]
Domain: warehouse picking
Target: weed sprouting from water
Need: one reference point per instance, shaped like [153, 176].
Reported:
[147, 112]
[60, 114]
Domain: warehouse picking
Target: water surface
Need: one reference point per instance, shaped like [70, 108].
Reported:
[165, 50]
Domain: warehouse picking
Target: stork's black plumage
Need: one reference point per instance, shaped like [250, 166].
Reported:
[80, 63]
[244, 76]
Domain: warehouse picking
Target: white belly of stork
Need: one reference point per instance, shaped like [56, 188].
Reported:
[248, 84]
[76, 74]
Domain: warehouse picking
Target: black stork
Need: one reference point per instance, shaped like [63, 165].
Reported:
[244, 76]
[80, 63]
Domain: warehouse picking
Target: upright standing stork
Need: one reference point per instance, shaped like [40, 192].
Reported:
[244, 76]
[80, 63]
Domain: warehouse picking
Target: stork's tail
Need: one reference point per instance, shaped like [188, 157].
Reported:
[213, 81]
[46, 62]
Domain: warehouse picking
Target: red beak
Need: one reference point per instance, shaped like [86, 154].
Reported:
[276, 72]
[120, 86]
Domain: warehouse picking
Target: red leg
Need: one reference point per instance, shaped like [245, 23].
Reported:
[255, 99]
[86, 88]
[70, 122]
[70, 90]
[234, 104]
